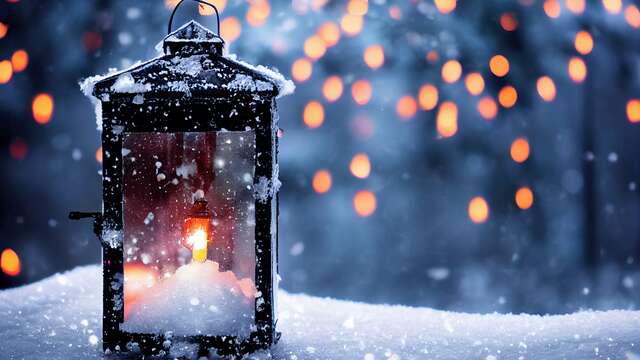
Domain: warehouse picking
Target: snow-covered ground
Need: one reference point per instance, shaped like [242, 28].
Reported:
[59, 318]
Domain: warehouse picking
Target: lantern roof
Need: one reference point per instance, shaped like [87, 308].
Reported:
[191, 66]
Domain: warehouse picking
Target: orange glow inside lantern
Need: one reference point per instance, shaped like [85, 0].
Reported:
[197, 230]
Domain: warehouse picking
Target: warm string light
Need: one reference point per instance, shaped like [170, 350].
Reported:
[633, 111]
[474, 83]
[552, 8]
[577, 69]
[358, 7]
[329, 32]
[364, 203]
[230, 29]
[478, 210]
[361, 92]
[487, 108]
[6, 71]
[314, 47]
[313, 114]
[451, 71]
[406, 107]
[499, 65]
[3, 30]
[524, 198]
[508, 96]
[258, 12]
[445, 6]
[632, 16]
[612, 6]
[546, 88]
[360, 166]
[508, 22]
[583, 42]
[332, 88]
[19, 60]
[447, 119]
[301, 70]
[321, 182]
[520, 150]
[351, 24]
[575, 6]
[428, 97]
[374, 56]
[10, 262]
[42, 108]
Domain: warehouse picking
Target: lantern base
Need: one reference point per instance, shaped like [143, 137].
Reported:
[157, 344]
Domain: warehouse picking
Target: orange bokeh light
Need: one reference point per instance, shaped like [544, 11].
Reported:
[552, 8]
[445, 6]
[487, 108]
[364, 203]
[374, 56]
[632, 16]
[428, 97]
[474, 83]
[577, 69]
[258, 12]
[508, 21]
[314, 47]
[524, 198]
[406, 107]
[10, 262]
[329, 32]
[499, 65]
[478, 210]
[206, 10]
[612, 6]
[137, 280]
[520, 150]
[395, 12]
[42, 108]
[361, 92]
[358, 7]
[633, 110]
[3, 30]
[321, 182]
[447, 119]
[230, 29]
[508, 96]
[360, 166]
[313, 114]
[352, 24]
[19, 60]
[546, 88]
[575, 6]
[301, 70]
[433, 56]
[332, 88]
[451, 71]
[6, 71]
[583, 42]
[99, 155]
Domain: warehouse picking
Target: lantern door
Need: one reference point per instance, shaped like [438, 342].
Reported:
[189, 234]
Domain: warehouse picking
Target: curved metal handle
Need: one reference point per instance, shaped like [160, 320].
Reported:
[198, 1]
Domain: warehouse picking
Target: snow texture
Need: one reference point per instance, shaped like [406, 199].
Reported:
[60, 318]
[197, 299]
[285, 87]
[246, 83]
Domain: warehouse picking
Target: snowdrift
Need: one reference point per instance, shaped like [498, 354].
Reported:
[60, 318]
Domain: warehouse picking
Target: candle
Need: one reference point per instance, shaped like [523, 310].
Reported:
[198, 242]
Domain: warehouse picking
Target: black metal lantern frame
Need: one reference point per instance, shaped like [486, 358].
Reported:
[191, 88]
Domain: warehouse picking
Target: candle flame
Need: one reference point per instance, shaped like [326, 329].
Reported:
[198, 240]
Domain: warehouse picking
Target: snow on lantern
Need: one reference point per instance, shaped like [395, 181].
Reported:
[190, 183]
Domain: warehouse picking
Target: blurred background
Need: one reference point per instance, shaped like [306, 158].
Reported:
[464, 155]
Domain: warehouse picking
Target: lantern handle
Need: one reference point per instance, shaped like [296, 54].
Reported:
[198, 1]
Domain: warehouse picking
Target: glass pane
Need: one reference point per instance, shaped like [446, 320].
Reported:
[189, 233]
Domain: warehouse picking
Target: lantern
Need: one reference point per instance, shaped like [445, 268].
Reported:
[190, 182]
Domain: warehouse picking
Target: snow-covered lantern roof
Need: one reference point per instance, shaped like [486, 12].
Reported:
[190, 182]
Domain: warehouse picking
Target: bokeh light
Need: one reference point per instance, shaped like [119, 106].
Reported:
[474, 83]
[577, 69]
[520, 150]
[487, 108]
[546, 88]
[329, 32]
[632, 16]
[633, 110]
[612, 6]
[358, 7]
[406, 107]
[478, 210]
[314, 47]
[583, 42]
[258, 12]
[230, 29]
[361, 91]
[10, 262]
[18, 149]
[360, 166]
[499, 65]
[301, 70]
[508, 21]
[42, 108]
[428, 97]
[364, 203]
[99, 155]
[445, 6]
[451, 71]
[313, 114]
[332, 88]
[374, 56]
[524, 198]
[508, 96]
[321, 182]
[351, 24]
[447, 119]
[552, 8]
[19, 60]
[575, 6]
